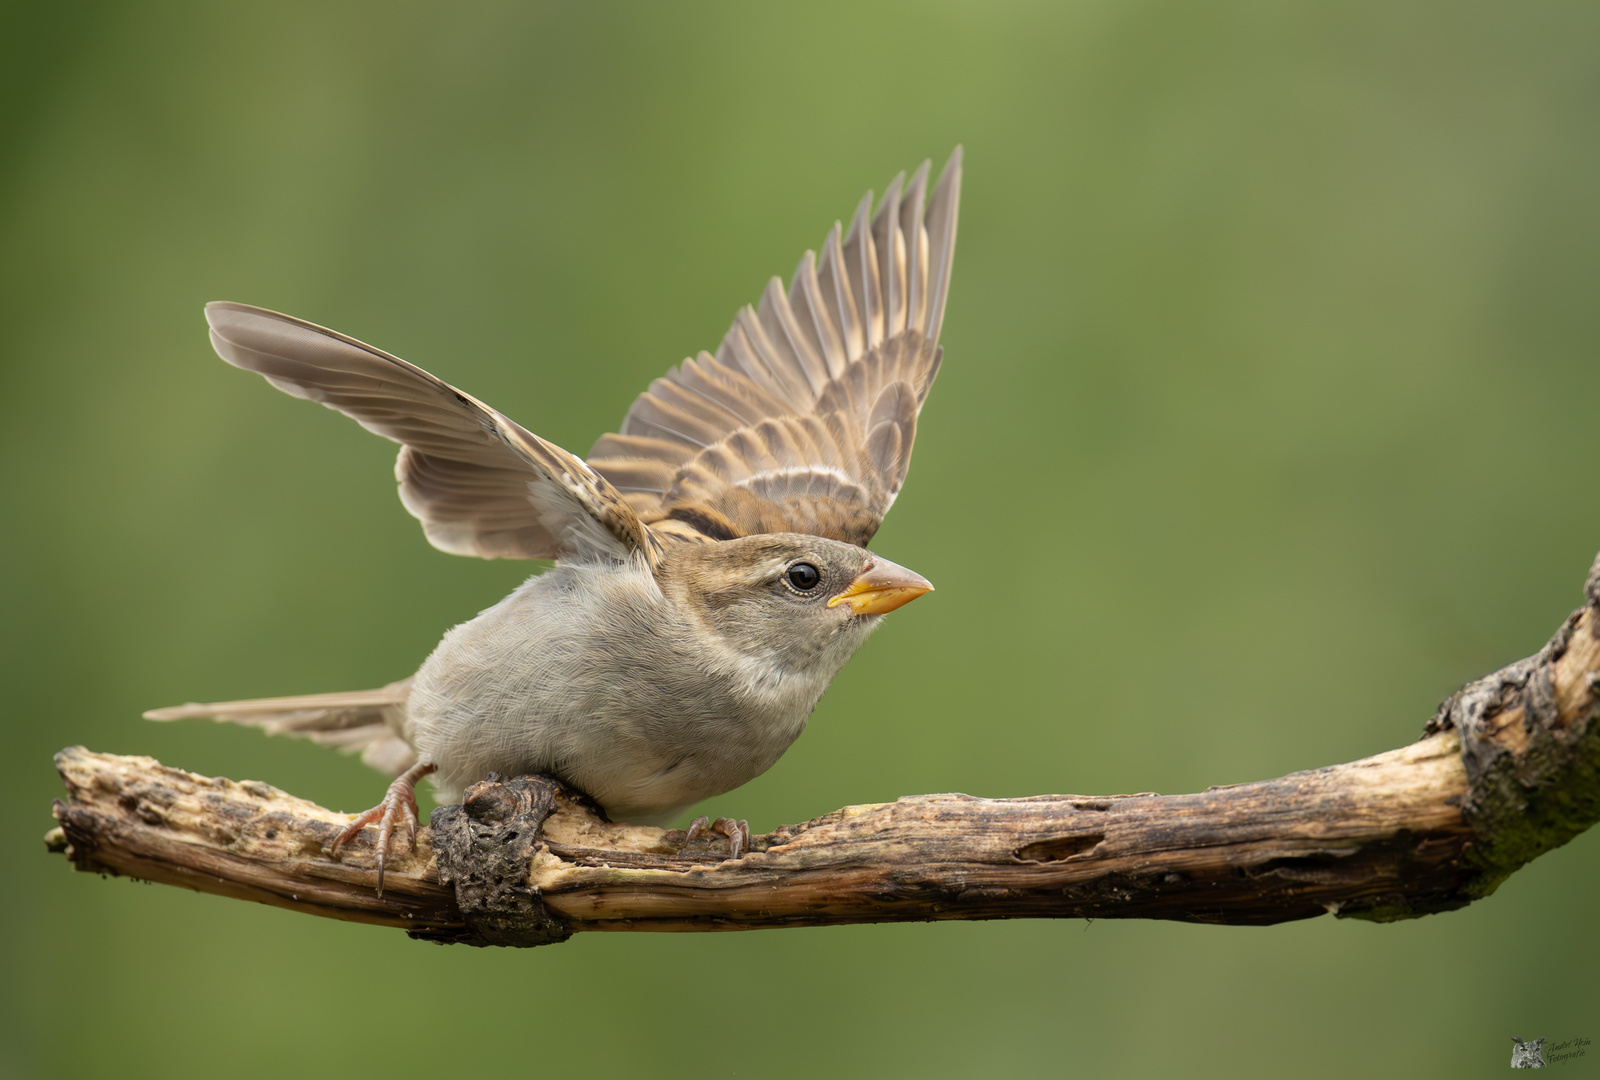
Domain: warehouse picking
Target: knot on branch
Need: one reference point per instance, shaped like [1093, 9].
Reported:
[1531, 748]
[484, 848]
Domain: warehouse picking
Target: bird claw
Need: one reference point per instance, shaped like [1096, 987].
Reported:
[399, 806]
[737, 832]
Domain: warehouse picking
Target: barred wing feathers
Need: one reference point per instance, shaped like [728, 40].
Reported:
[480, 483]
[804, 419]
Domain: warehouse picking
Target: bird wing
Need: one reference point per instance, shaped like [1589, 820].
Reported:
[480, 483]
[803, 420]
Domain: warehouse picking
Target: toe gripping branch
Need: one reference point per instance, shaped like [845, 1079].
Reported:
[398, 808]
[737, 830]
[483, 849]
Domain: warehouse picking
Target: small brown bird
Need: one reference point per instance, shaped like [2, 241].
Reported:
[711, 571]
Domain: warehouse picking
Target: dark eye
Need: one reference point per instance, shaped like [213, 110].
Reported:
[804, 576]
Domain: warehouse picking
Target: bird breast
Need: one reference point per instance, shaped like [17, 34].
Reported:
[590, 673]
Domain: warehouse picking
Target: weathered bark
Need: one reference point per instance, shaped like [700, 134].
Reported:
[1507, 769]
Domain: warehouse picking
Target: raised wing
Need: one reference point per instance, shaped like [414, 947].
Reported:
[480, 484]
[803, 420]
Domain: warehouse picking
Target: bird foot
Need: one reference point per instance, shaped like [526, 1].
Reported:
[737, 832]
[399, 806]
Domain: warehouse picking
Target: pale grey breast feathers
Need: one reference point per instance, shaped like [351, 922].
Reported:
[803, 421]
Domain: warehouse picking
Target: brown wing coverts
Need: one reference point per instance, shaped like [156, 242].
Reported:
[480, 484]
[804, 419]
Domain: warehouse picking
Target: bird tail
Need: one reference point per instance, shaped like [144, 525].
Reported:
[368, 721]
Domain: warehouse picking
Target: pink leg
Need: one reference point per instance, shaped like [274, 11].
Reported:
[399, 804]
[737, 832]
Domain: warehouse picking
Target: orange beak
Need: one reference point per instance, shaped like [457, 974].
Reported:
[882, 587]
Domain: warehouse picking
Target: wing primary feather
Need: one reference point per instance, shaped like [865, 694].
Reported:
[891, 258]
[703, 360]
[861, 260]
[835, 284]
[670, 431]
[916, 240]
[942, 241]
[739, 350]
[810, 309]
[738, 353]
[670, 406]
[794, 351]
[780, 378]
[723, 405]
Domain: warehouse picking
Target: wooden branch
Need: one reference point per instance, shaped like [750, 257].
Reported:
[1508, 768]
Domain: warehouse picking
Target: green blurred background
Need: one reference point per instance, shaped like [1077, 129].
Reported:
[1267, 419]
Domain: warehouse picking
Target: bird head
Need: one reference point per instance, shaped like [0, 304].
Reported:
[804, 600]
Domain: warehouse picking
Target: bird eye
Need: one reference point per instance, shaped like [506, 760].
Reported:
[804, 576]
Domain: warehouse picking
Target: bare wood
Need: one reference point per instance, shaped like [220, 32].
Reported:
[138, 817]
[1509, 768]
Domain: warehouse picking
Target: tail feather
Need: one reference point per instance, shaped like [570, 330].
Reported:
[369, 721]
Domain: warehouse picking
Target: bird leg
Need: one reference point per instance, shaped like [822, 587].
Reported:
[398, 805]
[737, 832]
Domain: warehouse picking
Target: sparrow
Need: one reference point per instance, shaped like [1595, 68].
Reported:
[711, 572]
